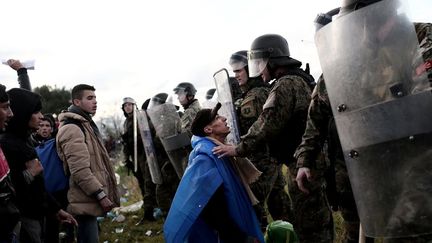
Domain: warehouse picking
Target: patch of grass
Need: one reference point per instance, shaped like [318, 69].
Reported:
[338, 225]
[130, 232]
[127, 231]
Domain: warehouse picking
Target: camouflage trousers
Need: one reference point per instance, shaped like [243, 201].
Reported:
[313, 220]
[270, 188]
[165, 192]
[346, 203]
[149, 196]
[139, 174]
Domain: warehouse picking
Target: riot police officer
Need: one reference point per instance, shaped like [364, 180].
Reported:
[270, 185]
[390, 78]
[186, 95]
[283, 119]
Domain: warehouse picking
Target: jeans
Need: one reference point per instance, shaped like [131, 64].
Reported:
[88, 231]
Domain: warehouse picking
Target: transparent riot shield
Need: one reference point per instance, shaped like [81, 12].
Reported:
[149, 149]
[167, 123]
[381, 100]
[210, 103]
[227, 110]
[135, 158]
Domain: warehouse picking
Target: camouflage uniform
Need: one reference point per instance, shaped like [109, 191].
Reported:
[164, 192]
[283, 119]
[148, 188]
[249, 108]
[150, 195]
[128, 151]
[424, 36]
[320, 129]
[189, 114]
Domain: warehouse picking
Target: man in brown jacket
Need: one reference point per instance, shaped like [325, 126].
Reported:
[92, 187]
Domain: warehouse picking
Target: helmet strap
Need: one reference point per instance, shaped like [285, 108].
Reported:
[271, 67]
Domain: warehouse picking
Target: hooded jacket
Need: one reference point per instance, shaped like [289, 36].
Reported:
[32, 198]
[204, 174]
[88, 163]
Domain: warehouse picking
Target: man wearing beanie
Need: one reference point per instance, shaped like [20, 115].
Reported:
[92, 188]
[26, 170]
[212, 202]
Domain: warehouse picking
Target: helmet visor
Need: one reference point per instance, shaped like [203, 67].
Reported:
[237, 65]
[153, 104]
[257, 61]
[257, 66]
[181, 96]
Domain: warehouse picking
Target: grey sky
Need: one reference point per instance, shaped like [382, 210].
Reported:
[140, 48]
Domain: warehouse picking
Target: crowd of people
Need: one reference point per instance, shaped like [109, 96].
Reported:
[207, 189]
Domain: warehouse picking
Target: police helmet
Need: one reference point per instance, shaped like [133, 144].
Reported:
[186, 87]
[349, 6]
[269, 49]
[210, 93]
[323, 19]
[125, 101]
[160, 98]
[128, 100]
[238, 60]
[145, 105]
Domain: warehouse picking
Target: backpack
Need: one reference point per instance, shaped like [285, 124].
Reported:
[305, 75]
[55, 177]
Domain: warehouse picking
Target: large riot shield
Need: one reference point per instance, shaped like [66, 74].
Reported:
[227, 110]
[149, 149]
[167, 123]
[381, 100]
[210, 103]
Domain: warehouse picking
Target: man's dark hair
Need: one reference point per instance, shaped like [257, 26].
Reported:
[49, 118]
[3, 95]
[77, 91]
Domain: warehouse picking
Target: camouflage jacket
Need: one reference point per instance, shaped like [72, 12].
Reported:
[128, 139]
[249, 107]
[189, 115]
[424, 35]
[282, 122]
[320, 114]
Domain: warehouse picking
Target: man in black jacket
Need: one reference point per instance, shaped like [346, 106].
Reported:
[9, 213]
[25, 168]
